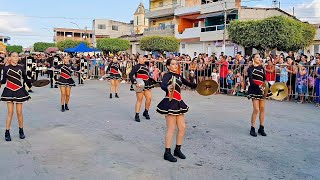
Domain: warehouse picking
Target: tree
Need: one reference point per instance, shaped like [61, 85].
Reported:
[113, 44]
[14, 48]
[159, 43]
[42, 46]
[278, 32]
[62, 45]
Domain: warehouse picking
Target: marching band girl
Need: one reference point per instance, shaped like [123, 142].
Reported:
[14, 93]
[141, 70]
[114, 77]
[65, 82]
[257, 77]
[174, 109]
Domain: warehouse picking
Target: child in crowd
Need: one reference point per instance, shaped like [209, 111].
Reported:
[155, 74]
[230, 79]
[239, 82]
[311, 85]
[151, 70]
[302, 77]
[215, 76]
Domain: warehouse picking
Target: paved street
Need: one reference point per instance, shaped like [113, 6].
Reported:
[98, 139]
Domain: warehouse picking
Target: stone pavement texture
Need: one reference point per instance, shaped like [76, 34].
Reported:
[98, 139]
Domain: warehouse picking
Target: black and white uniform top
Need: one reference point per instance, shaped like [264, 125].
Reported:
[257, 76]
[141, 71]
[176, 106]
[113, 70]
[65, 78]
[13, 77]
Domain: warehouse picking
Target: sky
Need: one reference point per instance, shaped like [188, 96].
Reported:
[27, 22]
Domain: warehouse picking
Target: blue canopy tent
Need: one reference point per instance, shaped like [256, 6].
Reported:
[82, 47]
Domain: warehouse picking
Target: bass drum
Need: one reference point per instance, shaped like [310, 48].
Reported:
[84, 69]
[31, 67]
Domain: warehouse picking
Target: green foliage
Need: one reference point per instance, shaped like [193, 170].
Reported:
[14, 48]
[278, 32]
[159, 43]
[113, 44]
[62, 45]
[42, 46]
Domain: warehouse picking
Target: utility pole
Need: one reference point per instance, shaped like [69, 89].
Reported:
[279, 5]
[225, 27]
[293, 11]
[94, 34]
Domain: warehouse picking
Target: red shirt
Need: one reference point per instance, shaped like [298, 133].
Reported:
[270, 76]
[223, 69]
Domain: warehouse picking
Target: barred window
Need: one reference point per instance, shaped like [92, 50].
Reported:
[101, 26]
[115, 28]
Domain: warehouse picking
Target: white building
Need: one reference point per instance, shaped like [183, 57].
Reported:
[315, 46]
[105, 28]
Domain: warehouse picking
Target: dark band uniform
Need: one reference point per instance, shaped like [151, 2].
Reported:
[176, 106]
[13, 77]
[256, 77]
[30, 74]
[65, 78]
[113, 70]
[141, 71]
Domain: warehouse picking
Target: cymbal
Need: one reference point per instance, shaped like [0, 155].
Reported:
[279, 91]
[174, 88]
[266, 88]
[207, 88]
[41, 83]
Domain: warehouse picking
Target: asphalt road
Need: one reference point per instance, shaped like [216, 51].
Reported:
[99, 139]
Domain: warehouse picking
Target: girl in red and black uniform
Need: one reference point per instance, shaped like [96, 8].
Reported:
[14, 93]
[114, 77]
[65, 82]
[141, 70]
[174, 110]
[257, 76]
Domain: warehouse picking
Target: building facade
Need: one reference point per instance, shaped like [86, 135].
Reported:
[315, 46]
[140, 23]
[161, 17]
[201, 25]
[105, 28]
[61, 34]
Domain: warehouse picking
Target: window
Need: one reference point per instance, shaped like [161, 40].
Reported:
[174, 2]
[137, 20]
[183, 46]
[101, 26]
[160, 3]
[115, 28]
[196, 24]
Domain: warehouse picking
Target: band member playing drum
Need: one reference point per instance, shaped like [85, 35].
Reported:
[65, 82]
[115, 77]
[141, 71]
[174, 109]
[27, 63]
[52, 61]
[14, 93]
[257, 78]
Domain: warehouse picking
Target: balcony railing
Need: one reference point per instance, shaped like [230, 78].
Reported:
[212, 28]
[159, 28]
[189, 33]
